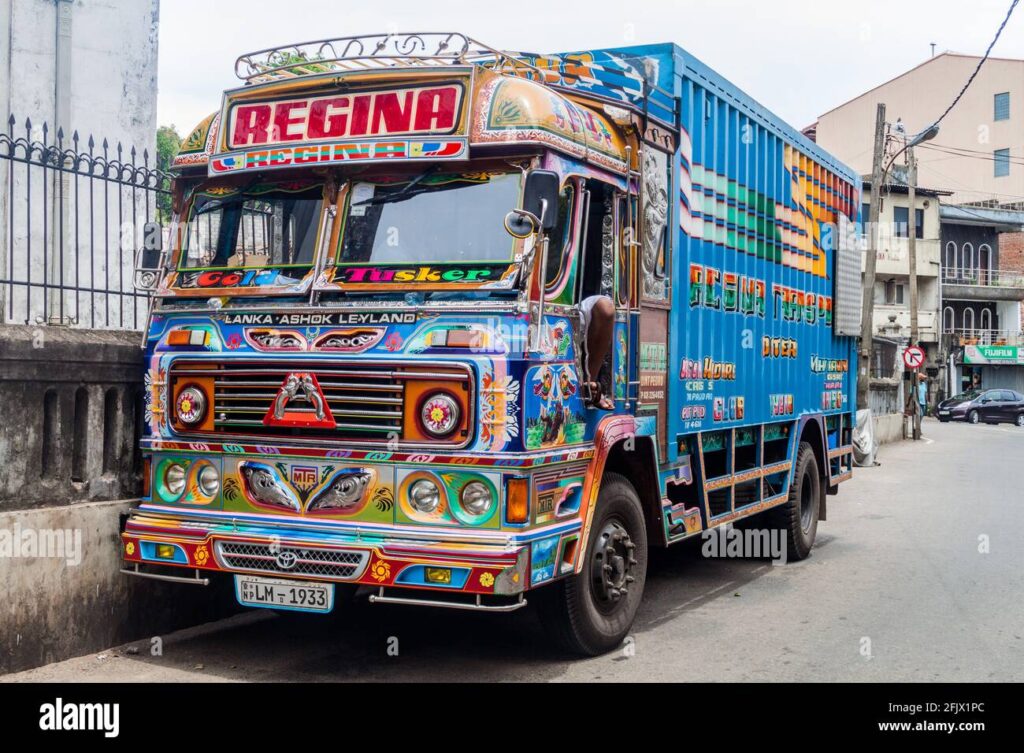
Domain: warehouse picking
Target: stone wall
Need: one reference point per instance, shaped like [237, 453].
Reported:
[70, 408]
[70, 411]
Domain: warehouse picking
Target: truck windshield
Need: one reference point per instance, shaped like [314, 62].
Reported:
[253, 229]
[431, 218]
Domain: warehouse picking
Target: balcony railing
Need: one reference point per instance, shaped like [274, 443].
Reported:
[983, 277]
[985, 336]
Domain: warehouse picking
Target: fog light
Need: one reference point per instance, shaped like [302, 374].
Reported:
[476, 498]
[165, 551]
[209, 481]
[424, 496]
[174, 479]
[441, 575]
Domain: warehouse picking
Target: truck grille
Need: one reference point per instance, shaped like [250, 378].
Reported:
[334, 564]
[367, 401]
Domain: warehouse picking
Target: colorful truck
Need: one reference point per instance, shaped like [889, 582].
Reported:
[364, 360]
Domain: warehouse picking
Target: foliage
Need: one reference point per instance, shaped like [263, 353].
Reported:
[168, 142]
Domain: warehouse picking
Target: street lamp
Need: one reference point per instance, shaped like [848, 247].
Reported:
[927, 134]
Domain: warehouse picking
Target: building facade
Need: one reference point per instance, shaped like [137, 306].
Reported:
[891, 323]
[982, 294]
[979, 152]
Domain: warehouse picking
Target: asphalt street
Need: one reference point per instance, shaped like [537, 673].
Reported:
[917, 576]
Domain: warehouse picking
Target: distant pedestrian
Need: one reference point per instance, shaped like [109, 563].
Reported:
[922, 393]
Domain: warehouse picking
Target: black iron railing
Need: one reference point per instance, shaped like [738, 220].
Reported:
[72, 215]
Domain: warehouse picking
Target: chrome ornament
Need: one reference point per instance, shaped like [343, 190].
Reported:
[347, 490]
[264, 487]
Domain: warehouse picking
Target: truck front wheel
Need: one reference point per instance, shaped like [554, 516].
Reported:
[591, 613]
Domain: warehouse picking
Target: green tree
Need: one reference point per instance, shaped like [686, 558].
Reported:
[168, 142]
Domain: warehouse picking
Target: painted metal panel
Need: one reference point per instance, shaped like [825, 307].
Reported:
[754, 260]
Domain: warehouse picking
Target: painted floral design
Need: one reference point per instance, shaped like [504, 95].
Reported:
[500, 409]
[486, 580]
[201, 555]
[380, 571]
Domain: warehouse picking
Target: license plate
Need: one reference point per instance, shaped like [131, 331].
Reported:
[274, 593]
[943, 412]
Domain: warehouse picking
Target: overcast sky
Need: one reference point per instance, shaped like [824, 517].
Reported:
[800, 58]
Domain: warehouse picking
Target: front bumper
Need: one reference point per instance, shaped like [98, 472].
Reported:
[481, 565]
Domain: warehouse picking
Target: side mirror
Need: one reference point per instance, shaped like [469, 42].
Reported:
[148, 259]
[540, 205]
[540, 197]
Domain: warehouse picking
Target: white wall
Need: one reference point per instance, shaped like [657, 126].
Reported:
[112, 96]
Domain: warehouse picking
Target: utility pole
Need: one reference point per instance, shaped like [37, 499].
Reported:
[912, 256]
[870, 263]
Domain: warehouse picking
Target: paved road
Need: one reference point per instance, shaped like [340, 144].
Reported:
[896, 590]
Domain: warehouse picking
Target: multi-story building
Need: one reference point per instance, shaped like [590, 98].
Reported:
[978, 160]
[979, 152]
[892, 321]
[892, 271]
[982, 344]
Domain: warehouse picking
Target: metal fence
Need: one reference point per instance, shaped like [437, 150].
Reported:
[72, 214]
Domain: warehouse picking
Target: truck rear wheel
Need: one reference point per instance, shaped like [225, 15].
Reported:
[591, 613]
[798, 517]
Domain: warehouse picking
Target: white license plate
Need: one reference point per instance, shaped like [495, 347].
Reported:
[274, 593]
[943, 412]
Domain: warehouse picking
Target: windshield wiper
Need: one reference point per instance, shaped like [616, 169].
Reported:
[405, 192]
[214, 205]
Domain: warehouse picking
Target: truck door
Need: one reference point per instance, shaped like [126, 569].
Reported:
[654, 290]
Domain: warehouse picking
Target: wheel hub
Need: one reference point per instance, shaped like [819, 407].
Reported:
[613, 561]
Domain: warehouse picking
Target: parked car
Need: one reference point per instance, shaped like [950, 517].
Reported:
[984, 406]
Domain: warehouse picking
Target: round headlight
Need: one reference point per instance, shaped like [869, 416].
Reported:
[190, 406]
[174, 479]
[424, 496]
[209, 481]
[440, 415]
[476, 498]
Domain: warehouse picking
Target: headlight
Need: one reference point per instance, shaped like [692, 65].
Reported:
[440, 415]
[424, 496]
[190, 406]
[476, 498]
[174, 479]
[209, 481]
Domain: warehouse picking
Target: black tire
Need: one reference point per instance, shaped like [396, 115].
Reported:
[973, 417]
[1020, 419]
[798, 517]
[582, 612]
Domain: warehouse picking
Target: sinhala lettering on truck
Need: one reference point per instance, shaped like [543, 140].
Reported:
[366, 356]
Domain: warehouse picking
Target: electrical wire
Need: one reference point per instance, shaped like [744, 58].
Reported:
[981, 62]
[987, 158]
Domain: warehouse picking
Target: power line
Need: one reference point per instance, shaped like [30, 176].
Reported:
[981, 62]
[986, 158]
[950, 147]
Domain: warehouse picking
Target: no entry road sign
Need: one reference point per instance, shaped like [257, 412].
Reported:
[913, 357]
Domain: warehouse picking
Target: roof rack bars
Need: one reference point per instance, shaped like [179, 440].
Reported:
[377, 52]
